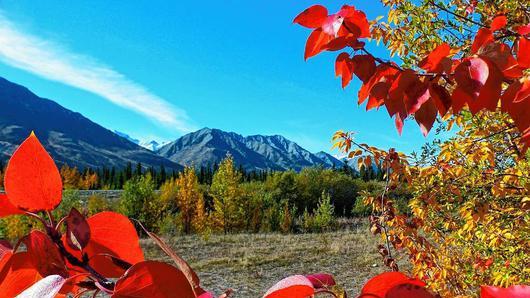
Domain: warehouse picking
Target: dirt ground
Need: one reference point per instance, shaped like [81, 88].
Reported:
[251, 263]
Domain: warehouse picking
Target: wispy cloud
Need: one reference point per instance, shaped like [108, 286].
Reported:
[55, 62]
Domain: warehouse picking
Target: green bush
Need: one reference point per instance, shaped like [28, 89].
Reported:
[97, 203]
[324, 218]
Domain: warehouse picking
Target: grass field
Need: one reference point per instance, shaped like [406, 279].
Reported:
[251, 263]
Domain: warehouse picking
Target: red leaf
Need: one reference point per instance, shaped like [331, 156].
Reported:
[341, 42]
[17, 275]
[523, 30]
[344, 68]
[378, 94]
[471, 75]
[5, 247]
[433, 62]
[321, 280]
[6, 208]
[364, 67]
[112, 234]
[153, 279]
[501, 55]
[441, 97]
[395, 102]
[498, 22]
[459, 99]
[44, 254]
[296, 286]
[523, 54]
[313, 17]
[490, 93]
[415, 96]
[316, 42]
[77, 230]
[511, 292]
[182, 265]
[409, 290]
[4, 259]
[71, 284]
[355, 22]
[426, 116]
[32, 181]
[483, 37]
[381, 284]
[516, 102]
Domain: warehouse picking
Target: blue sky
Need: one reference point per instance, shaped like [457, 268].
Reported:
[158, 69]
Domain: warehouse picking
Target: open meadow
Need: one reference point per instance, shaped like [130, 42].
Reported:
[251, 263]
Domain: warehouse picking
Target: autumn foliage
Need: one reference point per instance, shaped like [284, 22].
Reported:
[77, 254]
[468, 221]
[466, 233]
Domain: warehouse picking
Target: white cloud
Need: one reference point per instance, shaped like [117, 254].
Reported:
[55, 62]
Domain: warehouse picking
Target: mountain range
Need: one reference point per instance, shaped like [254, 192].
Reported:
[75, 140]
[209, 146]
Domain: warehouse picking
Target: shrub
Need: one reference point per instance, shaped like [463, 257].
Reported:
[324, 215]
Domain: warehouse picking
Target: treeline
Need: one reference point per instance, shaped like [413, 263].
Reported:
[224, 199]
[115, 179]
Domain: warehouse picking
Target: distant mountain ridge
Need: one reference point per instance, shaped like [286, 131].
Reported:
[77, 141]
[208, 146]
[68, 136]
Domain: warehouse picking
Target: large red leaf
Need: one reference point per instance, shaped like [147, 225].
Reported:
[355, 21]
[511, 292]
[415, 96]
[378, 94]
[395, 103]
[437, 60]
[6, 208]
[409, 290]
[344, 68]
[459, 99]
[483, 37]
[155, 280]
[44, 254]
[77, 230]
[17, 275]
[364, 67]
[381, 284]
[313, 17]
[426, 116]
[441, 97]
[501, 56]
[296, 286]
[516, 102]
[471, 75]
[490, 93]
[523, 30]
[115, 235]
[523, 54]
[321, 280]
[498, 23]
[32, 181]
[316, 42]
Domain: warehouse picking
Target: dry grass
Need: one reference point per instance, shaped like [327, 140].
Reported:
[251, 263]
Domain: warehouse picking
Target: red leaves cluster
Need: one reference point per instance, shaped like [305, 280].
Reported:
[88, 254]
[333, 32]
[440, 83]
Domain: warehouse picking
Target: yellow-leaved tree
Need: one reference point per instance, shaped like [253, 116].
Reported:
[228, 212]
[190, 201]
